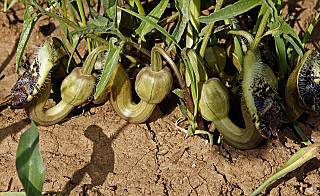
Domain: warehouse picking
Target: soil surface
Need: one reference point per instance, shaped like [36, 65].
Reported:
[95, 152]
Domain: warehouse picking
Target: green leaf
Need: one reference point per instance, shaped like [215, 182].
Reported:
[295, 43]
[297, 160]
[282, 57]
[272, 8]
[109, 66]
[280, 27]
[178, 92]
[29, 164]
[112, 10]
[155, 25]
[92, 27]
[230, 11]
[183, 9]
[98, 20]
[195, 74]
[310, 28]
[28, 25]
[74, 9]
[145, 27]
[184, 110]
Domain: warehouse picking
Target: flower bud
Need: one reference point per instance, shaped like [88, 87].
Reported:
[214, 100]
[77, 88]
[153, 86]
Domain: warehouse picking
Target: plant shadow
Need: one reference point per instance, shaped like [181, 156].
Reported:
[6, 62]
[13, 128]
[101, 162]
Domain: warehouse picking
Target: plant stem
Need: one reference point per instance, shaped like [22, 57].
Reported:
[64, 7]
[156, 61]
[244, 34]
[83, 20]
[171, 63]
[303, 137]
[91, 59]
[140, 7]
[55, 16]
[186, 94]
[137, 46]
[262, 26]
[5, 6]
[297, 160]
[259, 18]
[209, 30]
[82, 15]
[169, 19]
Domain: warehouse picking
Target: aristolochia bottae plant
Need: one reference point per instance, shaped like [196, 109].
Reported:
[122, 38]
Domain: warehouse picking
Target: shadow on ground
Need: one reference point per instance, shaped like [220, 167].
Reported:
[13, 129]
[101, 162]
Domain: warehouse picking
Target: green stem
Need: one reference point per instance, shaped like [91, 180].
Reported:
[125, 39]
[186, 94]
[303, 137]
[64, 8]
[172, 65]
[5, 6]
[140, 7]
[83, 21]
[82, 14]
[209, 28]
[244, 34]
[91, 59]
[156, 61]
[297, 160]
[259, 18]
[203, 132]
[262, 27]
[55, 16]
[135, 45]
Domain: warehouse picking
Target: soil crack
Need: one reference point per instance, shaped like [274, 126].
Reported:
[159, 178]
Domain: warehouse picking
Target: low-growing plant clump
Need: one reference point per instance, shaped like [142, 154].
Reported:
[220, 58]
